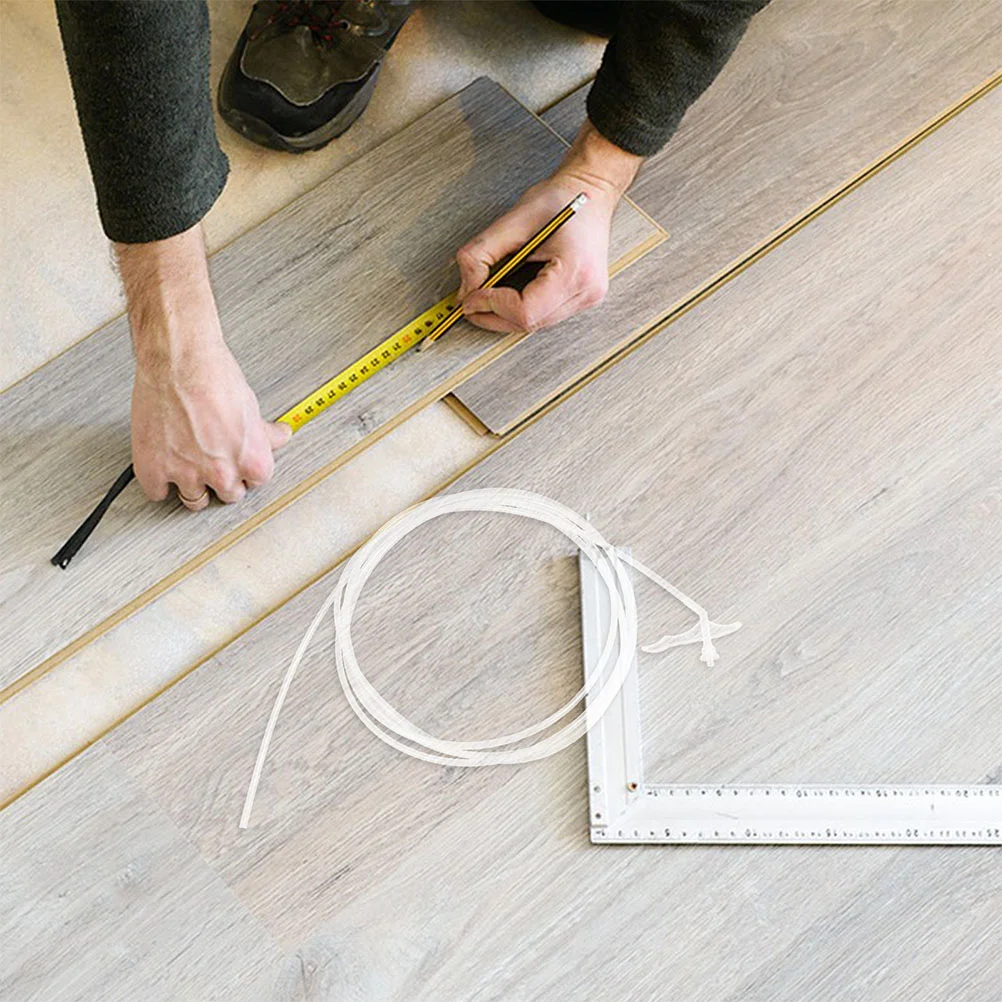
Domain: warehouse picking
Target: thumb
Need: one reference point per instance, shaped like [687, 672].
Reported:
[474, 268]
[278, 433]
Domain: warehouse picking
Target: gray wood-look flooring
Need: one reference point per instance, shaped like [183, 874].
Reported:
[300, 296]
[106, 900]
[813, 95]
[814, 451]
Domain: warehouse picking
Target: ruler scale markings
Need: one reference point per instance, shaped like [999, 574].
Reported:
[760, 813]
[368, 365]
[420, 331]
[914, 814]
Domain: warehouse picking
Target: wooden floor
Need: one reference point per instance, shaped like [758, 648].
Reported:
[54, 257]
[814, 451]
[312, 300]
[814, 95]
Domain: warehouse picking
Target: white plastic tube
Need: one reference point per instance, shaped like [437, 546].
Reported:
[600, 686]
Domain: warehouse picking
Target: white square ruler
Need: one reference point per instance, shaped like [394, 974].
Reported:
[625, 808]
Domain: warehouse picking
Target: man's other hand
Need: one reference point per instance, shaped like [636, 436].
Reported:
[195, 421]
[575, 273]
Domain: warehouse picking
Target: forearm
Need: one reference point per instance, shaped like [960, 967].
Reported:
[172, 313]
[661, 58]
[140, 76]
[599, 163]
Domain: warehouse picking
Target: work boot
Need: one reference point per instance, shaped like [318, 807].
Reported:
[301, 73]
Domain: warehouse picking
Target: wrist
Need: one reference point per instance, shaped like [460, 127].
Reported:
[599, 164]
[172, 312]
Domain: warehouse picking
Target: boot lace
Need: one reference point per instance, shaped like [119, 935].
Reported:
[322, 18]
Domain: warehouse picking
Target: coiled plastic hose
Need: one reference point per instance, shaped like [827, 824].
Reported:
[600, 686]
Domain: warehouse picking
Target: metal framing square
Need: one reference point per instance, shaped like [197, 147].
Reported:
[625, 808]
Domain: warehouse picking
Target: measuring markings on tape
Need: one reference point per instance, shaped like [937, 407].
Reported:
[373, 361]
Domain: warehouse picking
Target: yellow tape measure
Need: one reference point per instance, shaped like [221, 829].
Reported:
[429, 325]
[368, 365]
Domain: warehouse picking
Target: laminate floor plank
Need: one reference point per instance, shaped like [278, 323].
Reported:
[831, 477]
[907, 923]
[103, 899]
[813, 95]
[60, 282]
[301, 296]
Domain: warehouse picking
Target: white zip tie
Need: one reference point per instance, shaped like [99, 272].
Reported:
[395, 729]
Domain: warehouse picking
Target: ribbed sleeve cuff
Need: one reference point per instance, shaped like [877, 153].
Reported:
[140, 76]
[623, 125]
[142, 222]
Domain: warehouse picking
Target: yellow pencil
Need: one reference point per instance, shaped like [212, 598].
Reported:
[509, 266]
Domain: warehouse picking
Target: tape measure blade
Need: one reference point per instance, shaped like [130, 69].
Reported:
[375, 360]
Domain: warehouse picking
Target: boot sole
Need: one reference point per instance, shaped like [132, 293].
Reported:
[260, 132]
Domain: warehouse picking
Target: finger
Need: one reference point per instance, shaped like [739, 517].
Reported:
[492, 322]
[473, 271]
[154, 485]
[278, 433]
[576, 304]
[193, 496]
[229, 491]
[256, 466]
[252, 480]
[502, 237]
[526, 310]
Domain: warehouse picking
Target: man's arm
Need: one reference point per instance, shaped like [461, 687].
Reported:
[140, 75]
[661, 57]
[195, 421]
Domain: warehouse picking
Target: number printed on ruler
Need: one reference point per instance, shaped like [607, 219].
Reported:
[368, 365]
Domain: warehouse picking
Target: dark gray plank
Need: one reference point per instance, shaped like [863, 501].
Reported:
[813, 94]
[301, 296]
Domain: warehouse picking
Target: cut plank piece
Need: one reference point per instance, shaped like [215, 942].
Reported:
[813, 95]
[813, 452]
[301, 296]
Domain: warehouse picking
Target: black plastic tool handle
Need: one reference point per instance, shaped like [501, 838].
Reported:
[89, 524]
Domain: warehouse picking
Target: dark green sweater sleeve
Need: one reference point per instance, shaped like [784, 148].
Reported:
[140, 76]
[661, 57]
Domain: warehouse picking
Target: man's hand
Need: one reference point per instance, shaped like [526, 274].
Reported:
[576, 270]
[195, 421]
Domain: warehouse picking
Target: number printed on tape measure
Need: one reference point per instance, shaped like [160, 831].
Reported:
[364, 368]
